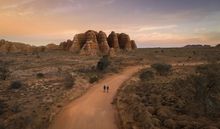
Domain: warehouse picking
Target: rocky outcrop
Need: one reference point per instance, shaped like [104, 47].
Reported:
[124, 42]
[88, 43]
[52, 47]
[133, 44]
[103, 43]
[91, 46]
[93, 43]
[78, 42]
[113, 41]
[66, 45]
[13, 47]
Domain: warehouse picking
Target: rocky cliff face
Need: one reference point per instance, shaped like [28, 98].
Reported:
[93, 43]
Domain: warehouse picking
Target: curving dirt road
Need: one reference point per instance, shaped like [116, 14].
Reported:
[94, 109]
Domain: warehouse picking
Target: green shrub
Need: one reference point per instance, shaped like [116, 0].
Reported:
[207, 84]
[162, 68]
[93, 79]
[146, 75]
[69, 81]
[2, 107]
[103, 63]
[16, 85]
[40, 75]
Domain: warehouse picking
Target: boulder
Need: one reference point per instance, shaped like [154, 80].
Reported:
[103, 43]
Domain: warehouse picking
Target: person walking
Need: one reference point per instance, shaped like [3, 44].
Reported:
[107, 88]
[104, 87]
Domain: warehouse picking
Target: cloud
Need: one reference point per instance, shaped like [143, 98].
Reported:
[157, 27]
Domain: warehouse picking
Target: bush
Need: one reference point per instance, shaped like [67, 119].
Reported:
[69, 81]
[146, 75]
[4, 72]
[16, 85]
[2, 107]
[40, 75]
[93, 79]
[103, 63]
[207, 84]
[162, 68]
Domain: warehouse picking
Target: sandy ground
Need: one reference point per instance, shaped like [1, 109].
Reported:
[94, 110]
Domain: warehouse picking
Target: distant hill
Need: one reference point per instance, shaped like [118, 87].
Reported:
[197, 46]
[16, 47]
[217, 46]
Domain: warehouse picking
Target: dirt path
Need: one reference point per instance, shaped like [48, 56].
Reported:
[93, 110]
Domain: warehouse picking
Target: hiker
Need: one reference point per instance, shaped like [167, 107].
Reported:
[104, 87]
[107, 88]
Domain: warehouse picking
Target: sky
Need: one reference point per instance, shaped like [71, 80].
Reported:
[151, 23]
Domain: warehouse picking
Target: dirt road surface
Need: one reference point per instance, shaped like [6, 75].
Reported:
[94, 109]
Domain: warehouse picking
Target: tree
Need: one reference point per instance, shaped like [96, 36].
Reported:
[103, 63]
[162, 68]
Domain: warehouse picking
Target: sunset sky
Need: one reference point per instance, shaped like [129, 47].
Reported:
[152, 23]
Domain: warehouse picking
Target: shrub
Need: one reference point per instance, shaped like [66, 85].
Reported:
[16, 85]
[207, 85]
[146, 75]
[93, 79]
[103, 63]
[162, 68]
[40, 75]
[69, 81]
[2, 107]
[4, 72]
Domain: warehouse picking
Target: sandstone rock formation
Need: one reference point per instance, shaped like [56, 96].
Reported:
[78, 42]
[93, 43]
[133, 44]
[13, 47]
[124, 42]
[52, 47]
[88, 43]
[66, 45]
[103, 43]
[113, 41]
[91, 46]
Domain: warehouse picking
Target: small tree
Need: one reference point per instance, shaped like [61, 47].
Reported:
[162, 68]
[16, 85]
[69, 81]
[103, 63]
[40, 75]
[93, 78]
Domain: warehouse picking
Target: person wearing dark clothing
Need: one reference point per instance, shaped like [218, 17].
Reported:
[107, 88]
[104, 87]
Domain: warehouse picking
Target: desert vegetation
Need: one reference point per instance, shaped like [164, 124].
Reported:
[187, 98]
[35, 86]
